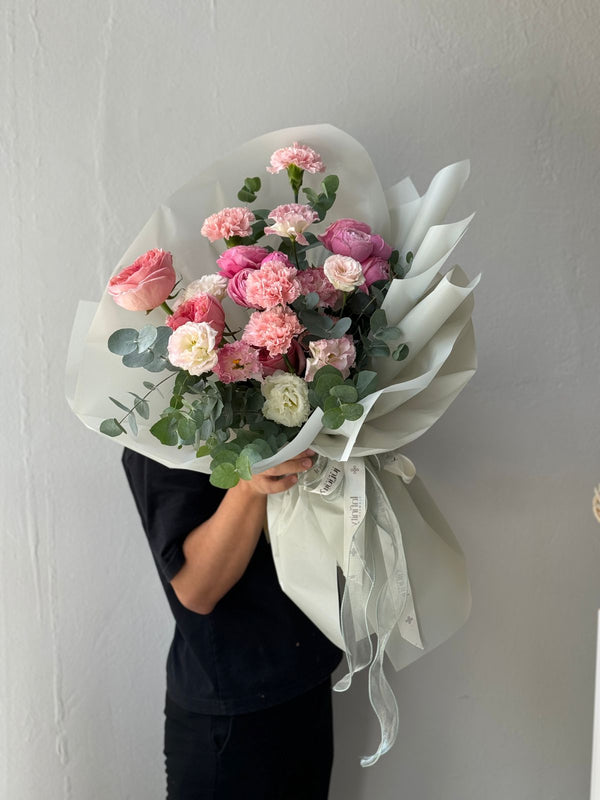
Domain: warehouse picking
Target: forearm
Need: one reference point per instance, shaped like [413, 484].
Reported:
[217, 552]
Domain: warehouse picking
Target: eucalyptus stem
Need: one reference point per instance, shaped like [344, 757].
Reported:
[165, 306]
[149, 392]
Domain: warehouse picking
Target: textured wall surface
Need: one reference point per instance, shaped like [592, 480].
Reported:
[108, 107]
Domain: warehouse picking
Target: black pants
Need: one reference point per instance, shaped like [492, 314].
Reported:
[280, 753]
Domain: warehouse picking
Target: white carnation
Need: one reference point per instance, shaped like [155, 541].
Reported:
[192, 347]
[286, 399]
[214, 284]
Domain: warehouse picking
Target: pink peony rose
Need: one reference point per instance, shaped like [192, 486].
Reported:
[295, 355]
[274, 284]
[244, 256]
[146, 283]
[201, 308]
[374, 269]
[236, 288]
[338, 353]
[227, 223]
[315, 280]
[238, 361]
[298, 154]
[344, 272]
[273, 329]
[349, 237]
[291, 220]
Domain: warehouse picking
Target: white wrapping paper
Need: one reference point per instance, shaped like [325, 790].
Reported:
[406, 580]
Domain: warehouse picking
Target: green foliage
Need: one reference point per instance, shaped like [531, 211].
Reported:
[248, 192]
[111, 427]
[322, 202]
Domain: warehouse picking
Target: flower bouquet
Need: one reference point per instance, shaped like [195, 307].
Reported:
[324, 323]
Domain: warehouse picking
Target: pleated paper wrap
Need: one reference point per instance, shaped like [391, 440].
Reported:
[406, 588]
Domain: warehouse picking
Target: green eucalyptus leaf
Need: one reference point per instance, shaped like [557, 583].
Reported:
[246, 196]
[146, 337]
[345, 393]
[224, 476]
[379, 350]
[149, 385]
[378, 320]
[330, 185]
[186, 428]
[136, 359]
[252, 184]
[206, 429]
[123, 341]
[400, 352]
[352, 411]
[141, 406]
[165, 430]
[245, 460]
[203, 450]
[111, 427]
[312, 300]
[366, 382]
[333, 418]
[130, 419]
[388, 334]
[340, 328]
[120, 405]
[330, 402]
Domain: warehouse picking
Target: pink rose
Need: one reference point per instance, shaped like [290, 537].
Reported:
[201, 308]
[236, 288]
[349, 237]
[146, 283]
[338, 353]
[295, 355]
[244, 256]
[273, 329]
[344, 272]
[374, 269]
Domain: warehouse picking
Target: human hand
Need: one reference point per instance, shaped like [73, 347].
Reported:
[279, 478]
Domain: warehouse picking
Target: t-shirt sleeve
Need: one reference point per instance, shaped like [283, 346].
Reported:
[171, 503]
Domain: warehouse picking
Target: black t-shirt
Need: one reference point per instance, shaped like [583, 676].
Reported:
[256, 648]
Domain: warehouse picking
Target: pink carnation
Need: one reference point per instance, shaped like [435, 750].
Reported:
[201, 308]
[238, 361]
[291, 220]
[295, 356]
[243, 256]
[274, 284]
[300, 155]
[273, 329]
[227, 223]
[315, 280]
[338, 353]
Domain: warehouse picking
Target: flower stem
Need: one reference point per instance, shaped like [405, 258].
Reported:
[288, 364]
[165, 306]
[141, 400]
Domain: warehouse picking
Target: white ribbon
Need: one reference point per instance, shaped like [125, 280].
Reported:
[370, 523]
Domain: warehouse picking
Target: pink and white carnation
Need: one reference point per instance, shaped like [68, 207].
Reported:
[374, 269]
[315, 280]
[193, 347]
[227, 223]
[294, 358]
[300, 155]
[274, 284]
[273, 329]
[350, 237]
[236, 288]
[213, 284]
[338, 353]
[343, 272]
[291, 220]
[243, 256]
[201, 308]
[237, 361]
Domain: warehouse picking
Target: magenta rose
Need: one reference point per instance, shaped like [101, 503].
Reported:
[349, 237]
[374, 269]
[244, 256]
[201, 308]
[236, 288]
[146, 283]
[295, 356]
[381, 249]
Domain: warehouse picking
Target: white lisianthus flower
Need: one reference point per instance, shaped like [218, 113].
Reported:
[214, 284]
[192, 347]
[344, 272]
[286, 399]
